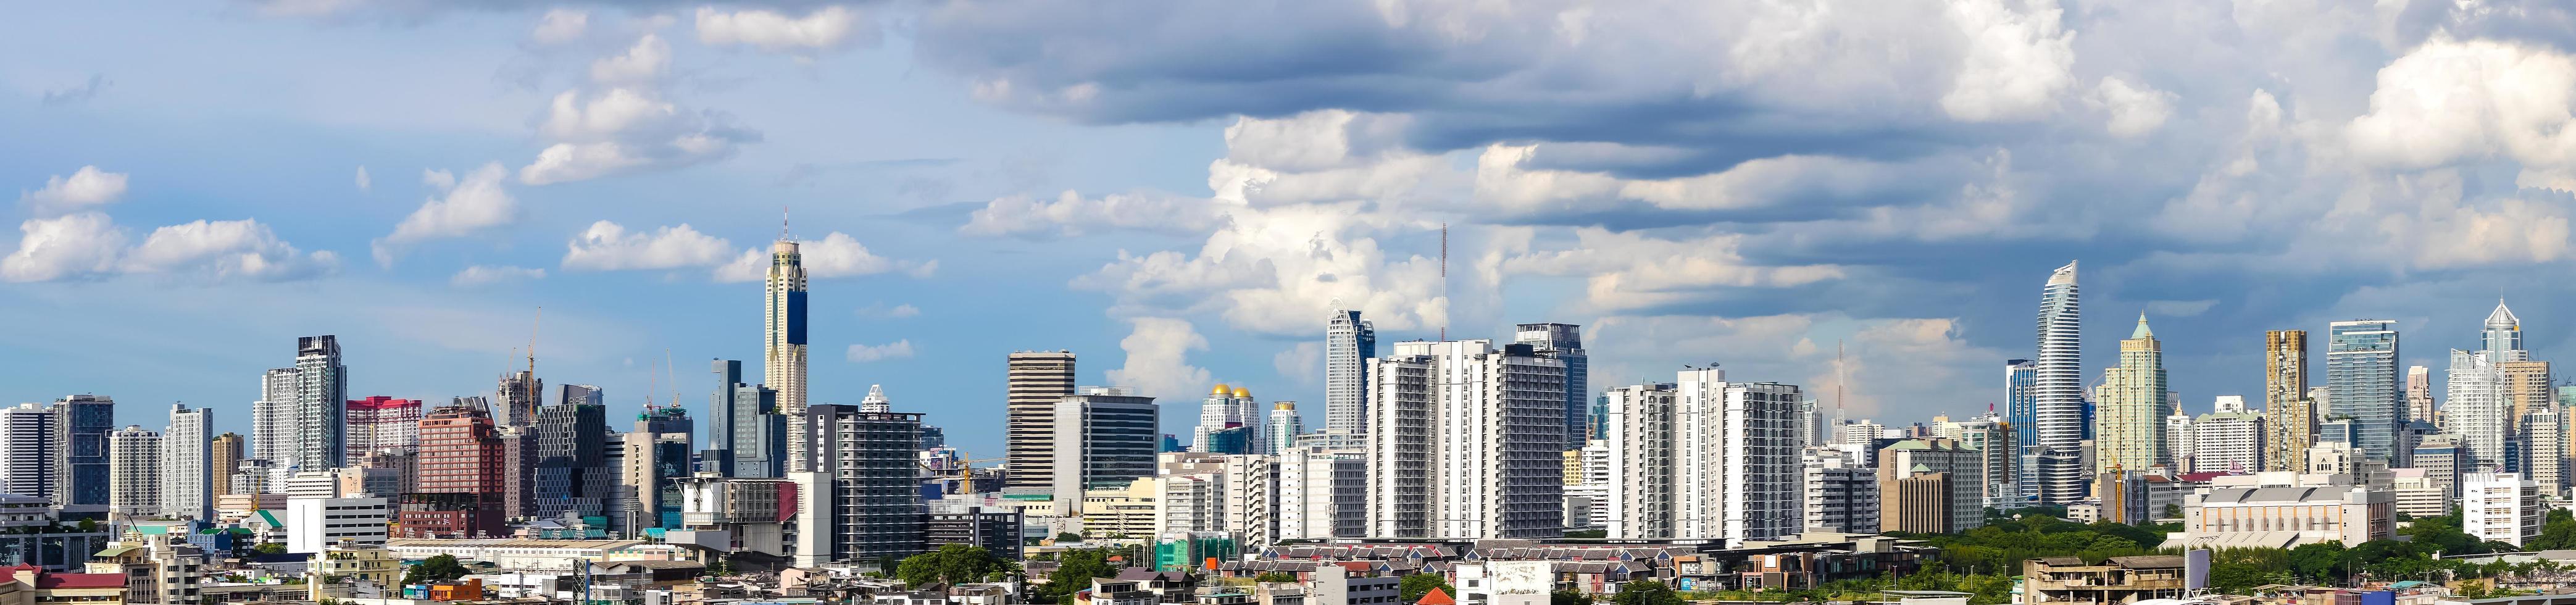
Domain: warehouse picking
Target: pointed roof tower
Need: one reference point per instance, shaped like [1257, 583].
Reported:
[2502, 318]
[2142, 331]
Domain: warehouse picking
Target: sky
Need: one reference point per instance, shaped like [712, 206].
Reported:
[1179, 192]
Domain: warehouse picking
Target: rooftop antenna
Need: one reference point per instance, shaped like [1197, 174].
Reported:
[1838, 383]
[1444, 282]
[782, 224]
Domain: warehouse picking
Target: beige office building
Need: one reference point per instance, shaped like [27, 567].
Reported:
[1037, 380]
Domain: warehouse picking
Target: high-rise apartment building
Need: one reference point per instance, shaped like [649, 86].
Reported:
[1565, 342]
[223, 459]
[784, 342]
[2419, 396]
[1038, 379]
[2289, 416]
[301, 419]
[2133, 403]
[1283, 427]
[1841, 491]
[2229, 440]
[747, 435]
[1229, 407]
[2361, 372]
[572, 475]
[187, 464]
[1704, 458]
[863, 493]
[81, 425]
[461, 479]
[134, 468]
[1349, 344]
[2060, 381]
[1104, 439]
[382, 423]
[1465, 442]
[2540, 452]
[28, 451]
[1951, 505]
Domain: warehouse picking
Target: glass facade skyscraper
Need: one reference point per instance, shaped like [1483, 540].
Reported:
[2362, 384]
[1349, 344]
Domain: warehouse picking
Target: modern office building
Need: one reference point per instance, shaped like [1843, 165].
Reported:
[572, 476]
[2021, 409]
[1349, 344]
[1565, 342]
[313, 524]
[1474, 453]
[864, 490]
[2361, 373]
[1104, 439]
[2289, 415]
[134, 462]
[28, 450]
[2060, 382]
[2479, 410]
[657, 458]
[2540, 449]
[2443, 460]
[81, 425]
[1037, 381]
[783, 342]
[187, 464]
[1713, 460]
[382, 423]
[2133, 402]
[747, 435]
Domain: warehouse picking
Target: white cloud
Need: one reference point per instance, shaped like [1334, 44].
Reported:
[226, 249]
[643, 63]
[2135, 109]
[1070, 214]
[825, 28]
[85, 188]
[2180, 308]
[606, 246]
[622, 130]
[1302, 363]
[1910, 366]
[364, 182]
[2451, 100]
[561, 25]
[487, 274]
[66, 247]
[1633, 270]
[836, 255]
[1158, 365]
[869, 353]
[473, 204]
[896, 312]
[2016, 64]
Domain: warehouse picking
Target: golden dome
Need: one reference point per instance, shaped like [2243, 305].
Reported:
[1242, 393]
[1220, 390]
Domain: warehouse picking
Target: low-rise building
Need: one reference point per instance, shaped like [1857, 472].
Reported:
[157, 568]
[2284, 510]
[32, 532]
[57, 588]
[538, 556]
[316, 523]
[358, 563]
[2117, 580]
[2501, 507]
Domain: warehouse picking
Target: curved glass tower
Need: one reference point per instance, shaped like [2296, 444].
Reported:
[2058, 393]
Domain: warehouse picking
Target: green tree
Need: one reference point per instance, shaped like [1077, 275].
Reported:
[270, 548]
[2320, 562]
[439, 568]
[1646, 592]
[1073, 573]
[1414, 586]
[1569, 597]
[1063, 537]
[1274, 577]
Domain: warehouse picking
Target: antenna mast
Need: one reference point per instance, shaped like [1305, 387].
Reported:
[1444, 282]
[1838, 385]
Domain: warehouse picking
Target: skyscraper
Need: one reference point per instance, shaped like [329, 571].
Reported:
[81, 425]
[1284, 426]
[581, 394]
[1475, 453]
[134, 463]
[2059, 393]
[784, 343]
[2419, 395]
[2133, 404]
[2289, 415]
[1703, 458]
[657, 458]
[382, 423]
[2361, 375]
[572, 473]
[462, 474]
[301, 418]
[1564, 341]
[746, 435]
[28, 450]
[2021, 402]
[1349, 344]
[863, 489]
[1229, 407]
[1104, 438]
[187, 460]
[1037, 380]
[225, 458]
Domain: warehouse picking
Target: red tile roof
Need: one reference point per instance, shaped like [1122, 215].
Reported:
[1436, 597]
[80, 580]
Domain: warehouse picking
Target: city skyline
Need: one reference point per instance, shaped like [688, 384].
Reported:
[419, 218]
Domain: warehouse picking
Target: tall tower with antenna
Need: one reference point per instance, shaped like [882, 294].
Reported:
[784, 340]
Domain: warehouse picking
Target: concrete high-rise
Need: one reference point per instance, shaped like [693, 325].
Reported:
[863, 492]
[187, 464]
[1038, 379]
[2289, 415]
[520, 393]
[1943, 499]
[223, 458]
[1565, 342]
[572, 477]
[1229, 407]
[2419, 396]
[1283, 427]
[380, 423]
[81, 425]
[300, 420]
[1349, 344]
[28, 450]
[2361, 375]
[657, 458]
[746, 435]
[1475, 453]
[1104, 439]
[134, 463]
[459, 491]
[2229, 440]
[2133, 403]
[784, 342]
[2059, 392]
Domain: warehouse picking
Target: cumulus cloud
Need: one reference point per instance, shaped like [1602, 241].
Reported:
[87, 187]
[465, 206]
[1302, 363]
[480, 275]
[560, 26]
[836, 255]
[2135, 109]
[1070, 214]
[223, 250]
[2017, 60]
[66, 247]
[895, 312]
[826, 28]
[1158, 350]
[2453, 100]
[1632, 270]
[623, 123]
[607, 246]
[900, 349]
[647, 61]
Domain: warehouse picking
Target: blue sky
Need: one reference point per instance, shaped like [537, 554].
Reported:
[1178, 192]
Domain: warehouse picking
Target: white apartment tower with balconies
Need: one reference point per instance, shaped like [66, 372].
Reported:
[1465, 441]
